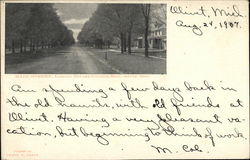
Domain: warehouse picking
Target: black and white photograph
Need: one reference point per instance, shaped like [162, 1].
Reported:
[85, 38]
[124, 80]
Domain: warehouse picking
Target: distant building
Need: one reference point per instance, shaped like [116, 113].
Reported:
[156, 37]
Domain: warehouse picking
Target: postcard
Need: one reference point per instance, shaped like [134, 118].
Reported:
[124, 79]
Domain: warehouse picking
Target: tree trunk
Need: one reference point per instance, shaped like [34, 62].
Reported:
[42, 43]
[125, 42]
[47, 43]
[122, 44]
[146, 37]
[146, 13]
[31, 45]
[37, 45]
[129, 41]
[101, 43]
[21, 46]
[13, 46]
[24, 46]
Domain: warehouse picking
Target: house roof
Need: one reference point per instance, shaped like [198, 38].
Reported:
[156, 26]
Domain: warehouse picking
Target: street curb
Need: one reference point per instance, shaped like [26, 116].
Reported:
[139, 55]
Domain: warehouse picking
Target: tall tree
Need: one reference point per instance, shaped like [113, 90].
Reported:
[16, 28]
[145, 8]
[36, 24]
[133, 20]
[111, 21]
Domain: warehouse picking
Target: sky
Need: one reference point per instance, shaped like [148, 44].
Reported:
[74, 15]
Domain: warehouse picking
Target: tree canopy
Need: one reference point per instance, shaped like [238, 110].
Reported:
[111, 21]
[34, 25]
[120, 21]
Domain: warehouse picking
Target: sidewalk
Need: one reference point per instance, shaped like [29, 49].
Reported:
[131, 64]
[154, 53]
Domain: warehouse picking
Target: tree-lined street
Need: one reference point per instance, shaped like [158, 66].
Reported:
[80, 60]
[38, 41]
[71, 60]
